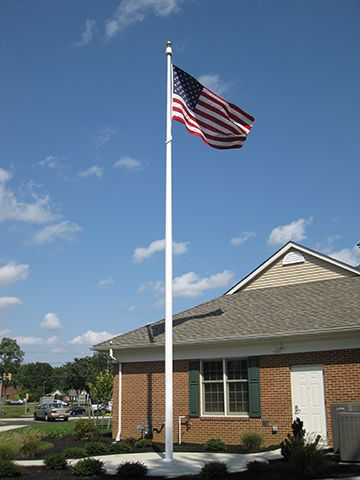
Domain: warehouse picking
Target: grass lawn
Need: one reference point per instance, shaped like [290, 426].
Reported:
[17, 411]
[58, 428]
[53, 429]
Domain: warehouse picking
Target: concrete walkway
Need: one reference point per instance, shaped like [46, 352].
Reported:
[182, 464]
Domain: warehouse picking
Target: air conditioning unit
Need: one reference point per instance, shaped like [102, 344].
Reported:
[349, 431]
[336, 409]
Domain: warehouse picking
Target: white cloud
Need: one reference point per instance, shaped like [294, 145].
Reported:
[57, 351]
[347, 255]
[21, 340]
[9, 301]
[88, 33]
[5, 176]
[141, 253]
[52, 341]
[105, 136]
[214, 83]
[104, 283]
[243, 237]
[64, 230]
[129, 308]
[94, 170]
[38, 211]
[329, 247]
[156, 287]
[51, 322]
[129, 163]
[294, 231]
[190, 285]
[13, 272]
[51, 162]
[28, 341]
[131, 11]
[13, 209]
[90, 338]
[5, 333]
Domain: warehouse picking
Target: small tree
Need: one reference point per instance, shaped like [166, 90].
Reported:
[11, 357]
[102, 390]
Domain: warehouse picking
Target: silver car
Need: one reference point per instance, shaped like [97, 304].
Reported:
[51, 411]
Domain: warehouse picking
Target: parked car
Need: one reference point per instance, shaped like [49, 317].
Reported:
[101, 408]
[61, 402]
[97, 407]
[51, 411]
[18, 401]
[77, 411]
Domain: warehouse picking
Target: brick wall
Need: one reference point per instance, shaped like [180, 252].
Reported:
[143, 397]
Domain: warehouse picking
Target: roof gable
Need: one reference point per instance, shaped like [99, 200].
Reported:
[294, 264]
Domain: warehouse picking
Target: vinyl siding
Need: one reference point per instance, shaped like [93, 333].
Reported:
[312, 270]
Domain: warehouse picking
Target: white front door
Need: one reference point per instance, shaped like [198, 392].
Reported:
[308, 398]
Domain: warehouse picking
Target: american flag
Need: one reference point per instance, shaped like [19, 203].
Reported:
[219, 123]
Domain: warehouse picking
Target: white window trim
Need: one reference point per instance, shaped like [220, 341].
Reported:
[202, 400]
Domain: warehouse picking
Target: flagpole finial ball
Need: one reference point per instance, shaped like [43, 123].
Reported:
[168, 48]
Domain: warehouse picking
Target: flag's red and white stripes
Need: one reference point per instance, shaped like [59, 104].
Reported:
[219, 123]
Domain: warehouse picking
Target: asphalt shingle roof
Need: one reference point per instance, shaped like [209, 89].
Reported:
[305, 308]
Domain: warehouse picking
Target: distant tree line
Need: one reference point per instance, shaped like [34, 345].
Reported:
[39, 377]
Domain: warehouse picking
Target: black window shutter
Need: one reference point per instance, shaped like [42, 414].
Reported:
[194, 407]
[254, 387]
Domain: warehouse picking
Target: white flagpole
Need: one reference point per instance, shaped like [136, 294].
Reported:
[168, 271]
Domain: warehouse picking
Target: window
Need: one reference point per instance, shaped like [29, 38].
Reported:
[225, 387]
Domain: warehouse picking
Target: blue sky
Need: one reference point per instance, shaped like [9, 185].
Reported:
[82, 150]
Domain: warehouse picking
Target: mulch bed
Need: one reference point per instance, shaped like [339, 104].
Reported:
[281, 469]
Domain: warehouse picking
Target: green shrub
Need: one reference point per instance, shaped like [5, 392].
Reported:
[131, 441]
[257, 466]
[89, 467]
[63, 433]
[85, 429]
[8, 448]
[56, 433]
[214, 469]
[215, 445]
[95, 448]
[9, 469]
[295, 441]
[132, 469]
[252, 440]
[29, 440]
[55, 461]
[298, 428]
[143, 443]
[306, 456]
[310, 460]
[119, 447]
[75, 452]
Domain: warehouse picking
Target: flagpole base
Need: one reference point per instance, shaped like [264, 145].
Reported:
[168, 459]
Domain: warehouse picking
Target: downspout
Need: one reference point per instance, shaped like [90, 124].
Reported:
[111, 354]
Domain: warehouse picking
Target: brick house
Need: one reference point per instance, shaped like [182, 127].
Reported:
[282, 343]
